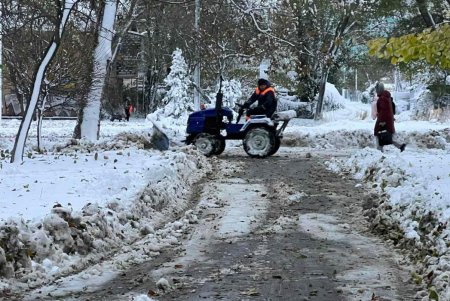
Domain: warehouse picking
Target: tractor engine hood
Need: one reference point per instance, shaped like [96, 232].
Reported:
[226, 112]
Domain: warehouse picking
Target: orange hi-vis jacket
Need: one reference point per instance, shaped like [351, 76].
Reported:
[267, 103]
[265, 91]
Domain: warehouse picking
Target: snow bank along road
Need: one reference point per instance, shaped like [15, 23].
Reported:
[282, 228]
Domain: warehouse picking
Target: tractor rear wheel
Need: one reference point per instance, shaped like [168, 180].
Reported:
[206, 144]
[259, 142]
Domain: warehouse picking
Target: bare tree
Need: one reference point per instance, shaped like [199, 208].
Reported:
[63, 10]
[343, 27]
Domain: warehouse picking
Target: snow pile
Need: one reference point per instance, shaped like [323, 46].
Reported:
[98, 226]
[413, 209]
[80, 201]
[423, 101]
[303, 109]
[173, 127]
[142, 298]
[352, 127]
[330, 140]
[332, 99]
[348, 110]
[60, 131]
[109, 266]
[360, 138]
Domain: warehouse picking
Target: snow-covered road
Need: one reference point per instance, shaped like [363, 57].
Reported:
[278, 229]
[119, 200]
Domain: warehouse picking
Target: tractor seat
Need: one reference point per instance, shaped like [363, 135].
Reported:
[284, 115]
[257, 116]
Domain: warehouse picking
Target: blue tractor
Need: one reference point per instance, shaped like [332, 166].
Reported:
[261, 136]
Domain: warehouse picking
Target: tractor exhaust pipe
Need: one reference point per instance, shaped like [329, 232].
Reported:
[219, 102]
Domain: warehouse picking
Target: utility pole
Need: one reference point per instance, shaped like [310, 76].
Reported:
[197, 56]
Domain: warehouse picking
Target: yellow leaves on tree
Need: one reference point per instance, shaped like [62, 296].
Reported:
[432, 46]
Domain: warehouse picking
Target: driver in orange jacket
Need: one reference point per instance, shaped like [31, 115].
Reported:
[265, 95]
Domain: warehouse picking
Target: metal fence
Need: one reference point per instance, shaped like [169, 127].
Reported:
[352, 95]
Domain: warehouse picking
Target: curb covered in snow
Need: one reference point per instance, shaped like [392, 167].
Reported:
[432, 139]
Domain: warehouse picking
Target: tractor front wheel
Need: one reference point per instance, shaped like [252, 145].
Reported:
[206, 144]
[259, 142]
[220, 146]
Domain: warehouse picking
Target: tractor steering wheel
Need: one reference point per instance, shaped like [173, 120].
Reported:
[241, 112]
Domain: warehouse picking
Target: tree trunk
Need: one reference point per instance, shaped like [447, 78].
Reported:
[425, 13]
[90, 123]
[19, 145]
[112, 85]
[18, 91]
[197, 55]
[20, 99]
[40, 116]
[342, 27]
[322, 86]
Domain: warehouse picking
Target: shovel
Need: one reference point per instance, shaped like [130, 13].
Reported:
[159, 139]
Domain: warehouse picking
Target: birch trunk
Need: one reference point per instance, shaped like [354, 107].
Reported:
[90, 123]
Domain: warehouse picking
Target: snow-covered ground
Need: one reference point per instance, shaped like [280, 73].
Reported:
[70, 206]
[352, 127]
[76, 202]
[75, 175]
[417, 180]
[413, 186]
[59, 131]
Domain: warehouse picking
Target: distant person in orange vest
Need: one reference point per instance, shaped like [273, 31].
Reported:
[265, 95]
[130, 109]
